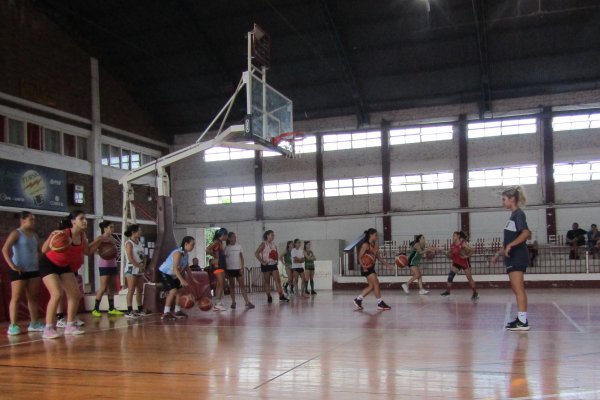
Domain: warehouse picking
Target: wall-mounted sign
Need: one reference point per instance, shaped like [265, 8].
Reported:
[31, 186]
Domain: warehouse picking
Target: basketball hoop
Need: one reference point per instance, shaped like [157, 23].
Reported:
[288, 141]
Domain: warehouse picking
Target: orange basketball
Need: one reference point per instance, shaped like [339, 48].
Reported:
[367, 260]
[205, 304]
[186, 301]
[466, 252]
[60, 241]
[107, 251]
[273, 255]
[215, 247]
[402, 261]
[429, 255]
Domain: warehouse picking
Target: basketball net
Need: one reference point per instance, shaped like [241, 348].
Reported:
[288, 141]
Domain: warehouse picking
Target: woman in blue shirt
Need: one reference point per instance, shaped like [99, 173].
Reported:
[171, 274]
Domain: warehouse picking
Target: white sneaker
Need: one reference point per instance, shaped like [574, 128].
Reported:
[50, 333]
[423, 291]
[62, 323]
[405, 288]
[73, 330]
[219, 307]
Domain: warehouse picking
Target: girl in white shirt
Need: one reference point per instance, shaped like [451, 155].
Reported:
[298, 266]
[234, 257]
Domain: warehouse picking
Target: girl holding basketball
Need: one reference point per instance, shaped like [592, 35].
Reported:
[21, 251]
[459, 253]
[234, 257]
[64, 252]
[217, 251]
[266, 254]
[418, 250]
[298, 267]
[134, 270]
[367, 254]
[286, 259]
[309, 265]
[516, 255]
[108, 269]
[171, 274]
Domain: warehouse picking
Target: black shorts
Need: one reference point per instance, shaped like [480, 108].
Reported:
[268, 268]
[233, 273]
[169, 282]
[521, 268]
[368, 271]
[23, 276]
[109, 271]
[298, 270]
[47, 267]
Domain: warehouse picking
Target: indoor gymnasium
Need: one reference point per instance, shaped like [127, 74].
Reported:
[300, 199]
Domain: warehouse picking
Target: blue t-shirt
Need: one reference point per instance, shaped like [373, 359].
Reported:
[167, 266]
[519, 255]
[25, 252]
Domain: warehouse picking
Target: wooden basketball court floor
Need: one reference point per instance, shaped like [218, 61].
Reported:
[319, 348]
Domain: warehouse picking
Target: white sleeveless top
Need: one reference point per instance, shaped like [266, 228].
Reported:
[266, 253]
[137, 250]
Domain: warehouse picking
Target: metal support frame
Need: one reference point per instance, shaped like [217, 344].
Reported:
[482, 49]
[362, 115]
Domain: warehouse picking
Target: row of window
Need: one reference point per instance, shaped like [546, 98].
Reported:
[360, 140]
[508, 176]
[122, 158]
[37, 137]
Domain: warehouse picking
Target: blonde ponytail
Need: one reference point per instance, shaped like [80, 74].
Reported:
[517, 193]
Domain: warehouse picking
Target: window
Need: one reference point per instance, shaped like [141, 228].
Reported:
[16, 130]
[420, 134]
[306, 145]
[355, 186]
[293, 190]
[115, 157]
[418, 182]
[146, 159]
[522, 175]
[577, 171]
[135, 160]
[105, 154]
[125, 159]
[51, 140]
[343, 141]
[225, 153]
[34, 136]
[575, 122]
[502, 128]
[69, 145]
[81, 148]
[243, 194]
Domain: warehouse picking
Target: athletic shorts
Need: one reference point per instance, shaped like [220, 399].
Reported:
[22, 276]
[268, 268]
[132, 271]
[169, 282]
[309, 267]
[465, 267]
[368, 271]
[109, 271]
[521, 268]
[298, 270]
[47, 267]
[233, 273]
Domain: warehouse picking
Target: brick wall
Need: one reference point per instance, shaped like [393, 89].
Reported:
[113, 200]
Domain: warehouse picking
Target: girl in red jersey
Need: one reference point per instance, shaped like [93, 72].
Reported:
[367, 254]
[266, 253]
[459, 253]
[57, 272]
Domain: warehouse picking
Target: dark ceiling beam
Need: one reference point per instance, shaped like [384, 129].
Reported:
[212, 48]
[485, 104]
[362, 115]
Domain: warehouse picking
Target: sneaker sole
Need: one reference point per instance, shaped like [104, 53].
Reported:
[383, 309]
[50, 337]
[521, 329]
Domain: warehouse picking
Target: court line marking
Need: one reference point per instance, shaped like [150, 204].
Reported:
[325, 352]
[558, 395]
[575, 324]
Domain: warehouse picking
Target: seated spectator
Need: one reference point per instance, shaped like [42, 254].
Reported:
[593, 237]
[575, 238]
[195, 265]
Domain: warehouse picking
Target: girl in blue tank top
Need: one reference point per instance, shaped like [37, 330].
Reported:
[21, 252]
[171, 274]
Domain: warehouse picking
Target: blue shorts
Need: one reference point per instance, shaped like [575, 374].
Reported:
[521, 268]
